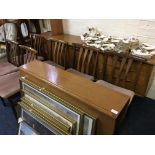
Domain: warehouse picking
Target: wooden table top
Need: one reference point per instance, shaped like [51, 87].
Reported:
[76, 39]
[94, 95]
[64, 37]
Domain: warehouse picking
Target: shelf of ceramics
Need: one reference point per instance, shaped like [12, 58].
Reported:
[129, 45]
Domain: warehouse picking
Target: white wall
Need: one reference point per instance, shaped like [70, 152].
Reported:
[143, 29]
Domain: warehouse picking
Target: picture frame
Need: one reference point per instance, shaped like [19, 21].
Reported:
[25, 129]
[37, 124]
[88, 125]
[43, 118]
[51, 112]
[50, 99]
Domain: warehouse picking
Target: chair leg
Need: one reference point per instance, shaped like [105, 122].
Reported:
[14, 111]
[4, 104]
[12, 104]
[13, 108]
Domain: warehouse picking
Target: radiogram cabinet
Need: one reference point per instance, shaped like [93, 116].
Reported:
[55, 101]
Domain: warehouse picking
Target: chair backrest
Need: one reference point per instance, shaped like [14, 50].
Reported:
[12, 50]
[124, 69]
[57, 51]
[26, 54]
[39, 43]
[85, 59]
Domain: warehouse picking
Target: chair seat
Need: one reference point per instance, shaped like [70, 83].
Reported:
[9, 84]
[54, 64]
[6, 68]
[117, 88]
[86, 76]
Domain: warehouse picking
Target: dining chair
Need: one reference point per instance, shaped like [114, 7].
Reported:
[9, 83]
[26, 54]
[117, 77]
[12, 58]
[9, 87]
[39, 43]
[57, 53]
[85, 61]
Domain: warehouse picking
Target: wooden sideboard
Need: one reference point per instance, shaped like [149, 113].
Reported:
[104, 107]
[65, 37]
[146, 75]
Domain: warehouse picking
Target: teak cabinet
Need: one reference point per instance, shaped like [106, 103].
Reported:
[55, 101]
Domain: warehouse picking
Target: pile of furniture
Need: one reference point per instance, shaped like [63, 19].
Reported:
[78, 59]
